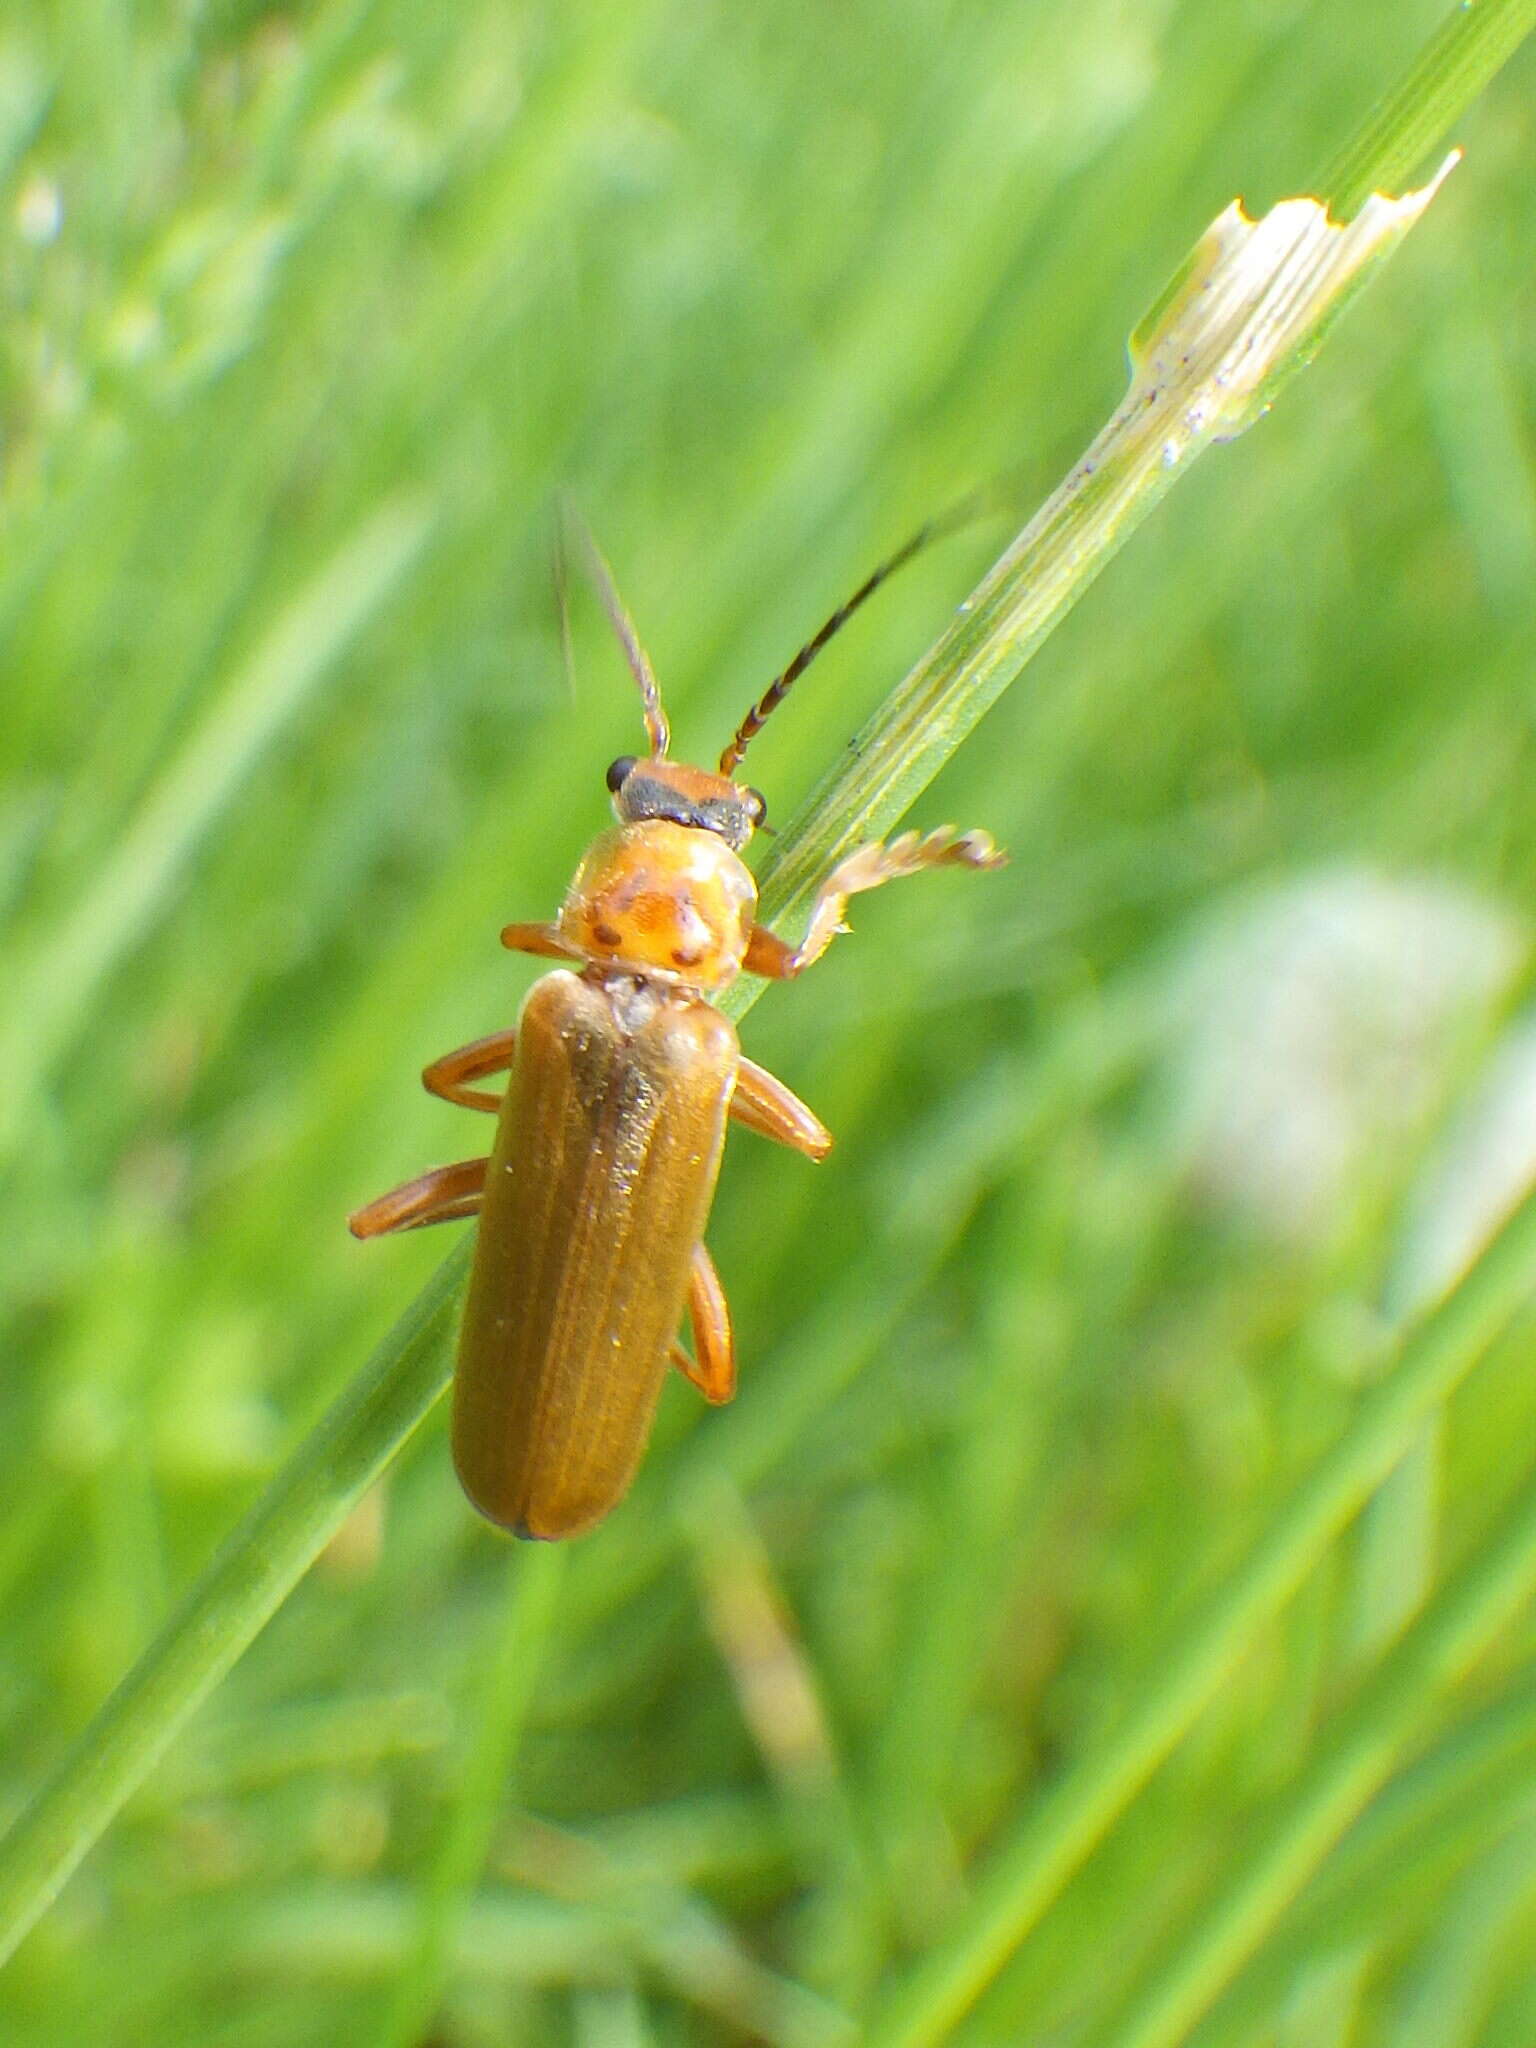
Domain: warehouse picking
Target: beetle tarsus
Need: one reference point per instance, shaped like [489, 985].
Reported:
[713, 1372]
[868, 867]
[441, 1196]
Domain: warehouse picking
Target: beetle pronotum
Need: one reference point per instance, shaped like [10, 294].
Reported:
[621, 1077]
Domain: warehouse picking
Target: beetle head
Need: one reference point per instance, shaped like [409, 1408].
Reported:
[650, 787]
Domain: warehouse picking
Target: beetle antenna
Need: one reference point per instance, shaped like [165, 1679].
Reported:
[976, 506]
[657, 729]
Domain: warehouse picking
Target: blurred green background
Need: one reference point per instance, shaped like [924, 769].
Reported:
[308, 313]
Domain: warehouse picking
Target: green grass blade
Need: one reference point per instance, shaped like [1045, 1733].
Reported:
[245, 1584]
[515, 1657]
[56, 986]
[1054, 1839]
[1471, 47]
[1351, 1765]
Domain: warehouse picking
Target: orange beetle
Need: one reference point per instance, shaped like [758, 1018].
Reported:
[621, 1078]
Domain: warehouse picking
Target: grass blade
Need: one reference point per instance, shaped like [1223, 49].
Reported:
[244, 1585]
[1053, 1840]
[1348, 1769]
[57, 984]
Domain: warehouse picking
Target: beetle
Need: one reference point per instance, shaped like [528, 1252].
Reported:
[621, 1077]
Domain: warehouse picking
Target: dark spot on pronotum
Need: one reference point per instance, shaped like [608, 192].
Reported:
[606, 935]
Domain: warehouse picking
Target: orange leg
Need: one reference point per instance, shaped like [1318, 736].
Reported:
[440, 1196]
[543, 939]
[448, 1076]
[868, 868]
[766, 1106]
[713, 1372]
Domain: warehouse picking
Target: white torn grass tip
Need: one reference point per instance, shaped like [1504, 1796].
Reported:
[1250, 305]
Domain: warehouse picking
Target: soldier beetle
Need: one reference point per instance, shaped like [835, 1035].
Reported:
[621, 1078]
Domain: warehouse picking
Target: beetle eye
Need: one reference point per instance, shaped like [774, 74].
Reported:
[618, 770]
[757, 805]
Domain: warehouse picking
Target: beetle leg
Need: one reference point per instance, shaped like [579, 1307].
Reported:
[765, 1105]
[868, 868]
[440, 1196]
[543, 939]
[448, 1077]
[713, 1372]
